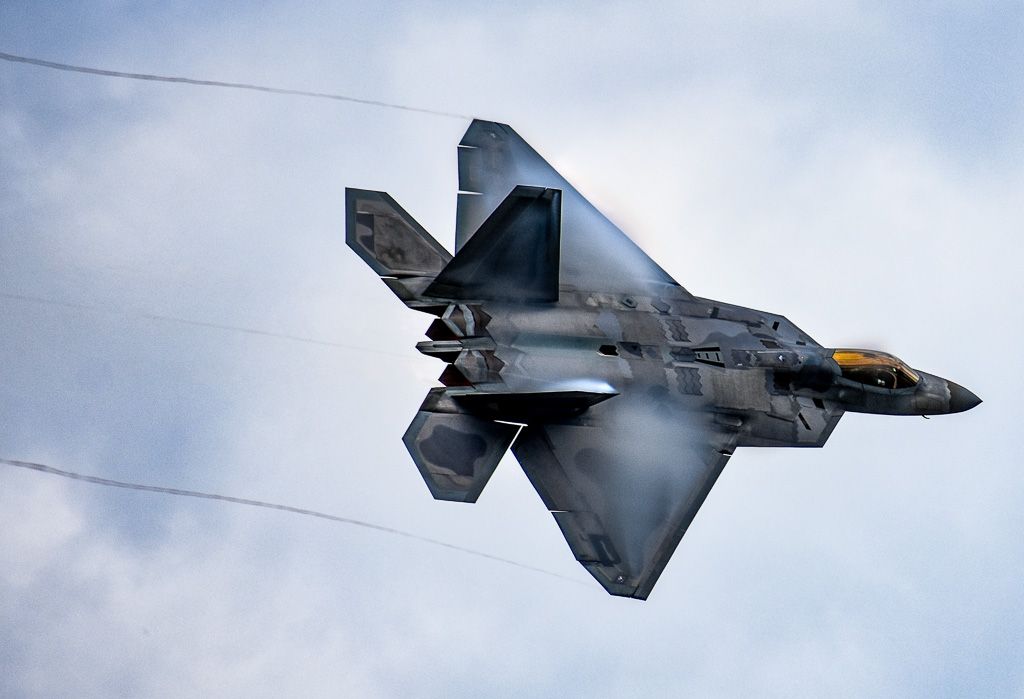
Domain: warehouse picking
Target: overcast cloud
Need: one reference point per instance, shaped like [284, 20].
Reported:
[856, 167]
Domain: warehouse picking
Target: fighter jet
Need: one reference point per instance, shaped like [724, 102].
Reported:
[621, 394]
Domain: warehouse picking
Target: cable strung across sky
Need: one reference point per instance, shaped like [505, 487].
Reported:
[97, 480]
[12, 58]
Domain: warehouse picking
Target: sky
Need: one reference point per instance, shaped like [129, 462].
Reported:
[855, 166]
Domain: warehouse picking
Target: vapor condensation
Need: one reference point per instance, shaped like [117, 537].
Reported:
[96, 480]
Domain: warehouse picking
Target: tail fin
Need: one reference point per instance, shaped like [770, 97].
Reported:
[455, 452]
[392, 243]
[514, 255]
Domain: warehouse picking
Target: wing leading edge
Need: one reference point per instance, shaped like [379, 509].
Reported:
[624, 482]
[595, 254]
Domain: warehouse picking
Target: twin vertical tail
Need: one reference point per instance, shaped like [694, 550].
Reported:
[513, 256]
[394, 245]
[456, 439]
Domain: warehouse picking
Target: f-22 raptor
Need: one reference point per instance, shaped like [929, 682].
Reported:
[621, 394]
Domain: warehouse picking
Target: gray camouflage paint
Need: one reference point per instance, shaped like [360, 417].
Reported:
[621, 394]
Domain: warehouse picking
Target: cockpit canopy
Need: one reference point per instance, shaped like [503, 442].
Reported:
[875, 368]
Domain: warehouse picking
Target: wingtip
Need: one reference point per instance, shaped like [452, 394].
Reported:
[481, 128]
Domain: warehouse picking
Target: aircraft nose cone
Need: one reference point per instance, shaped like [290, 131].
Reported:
[960, 399]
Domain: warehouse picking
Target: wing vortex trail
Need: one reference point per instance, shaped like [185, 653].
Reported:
[97, 480]
[108, 482]
[13, 58]
[164, 318]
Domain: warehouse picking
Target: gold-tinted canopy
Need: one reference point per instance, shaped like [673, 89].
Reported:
[875, 368]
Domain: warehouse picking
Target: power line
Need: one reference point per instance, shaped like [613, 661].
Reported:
[96, 480]
[12, 58]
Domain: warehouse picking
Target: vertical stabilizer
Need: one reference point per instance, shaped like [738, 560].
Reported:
[393, 244]
[513, 257]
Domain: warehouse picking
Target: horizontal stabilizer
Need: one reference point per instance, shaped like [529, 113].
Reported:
[514, 256]
[530, 408]
[389, 239]
[455, 453]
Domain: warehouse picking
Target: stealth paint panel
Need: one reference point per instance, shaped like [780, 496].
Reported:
[633, 393]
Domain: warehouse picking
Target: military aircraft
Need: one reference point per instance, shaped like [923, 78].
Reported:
[621, 394]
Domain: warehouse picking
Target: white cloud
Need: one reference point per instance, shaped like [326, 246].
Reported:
[765, 157]
[36, 525]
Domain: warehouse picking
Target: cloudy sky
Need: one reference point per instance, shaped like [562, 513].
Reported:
[858, 167]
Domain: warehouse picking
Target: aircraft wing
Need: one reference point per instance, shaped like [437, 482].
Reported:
[595, 254]
[624, 482]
